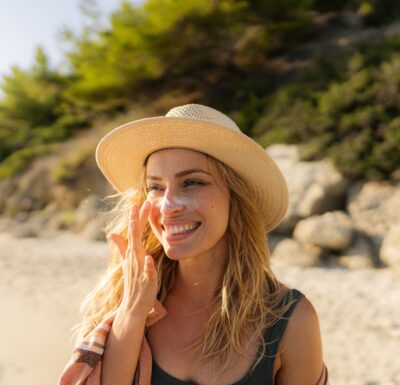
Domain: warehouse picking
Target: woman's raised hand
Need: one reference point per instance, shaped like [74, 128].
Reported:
[140, 274]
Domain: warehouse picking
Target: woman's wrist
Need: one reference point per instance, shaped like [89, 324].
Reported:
[133, 317]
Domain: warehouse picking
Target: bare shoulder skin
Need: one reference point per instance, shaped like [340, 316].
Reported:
[301, 358]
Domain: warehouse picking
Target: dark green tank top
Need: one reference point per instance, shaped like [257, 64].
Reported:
[262, 372]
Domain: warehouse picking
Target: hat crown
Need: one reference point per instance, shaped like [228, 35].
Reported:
[200, 112]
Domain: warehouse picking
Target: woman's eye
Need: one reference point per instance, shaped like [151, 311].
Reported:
[153, 187]
[192, 182]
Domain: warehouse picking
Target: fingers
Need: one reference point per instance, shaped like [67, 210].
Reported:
[133, 244]
[120, 242]
[137, 223]
[144, 214]
[139, 271]
[149, 267]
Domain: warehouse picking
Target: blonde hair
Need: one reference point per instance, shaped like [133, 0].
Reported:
[249, 299]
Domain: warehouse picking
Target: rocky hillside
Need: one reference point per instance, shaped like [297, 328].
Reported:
[334, 220]
[324, 79]
[65, 189]
[331, 219]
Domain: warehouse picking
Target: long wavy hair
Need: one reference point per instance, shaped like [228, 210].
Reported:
[249, 299]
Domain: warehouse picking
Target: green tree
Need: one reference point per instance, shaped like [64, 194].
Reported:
[33, 111]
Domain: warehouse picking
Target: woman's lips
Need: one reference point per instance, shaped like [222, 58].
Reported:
[180, 236]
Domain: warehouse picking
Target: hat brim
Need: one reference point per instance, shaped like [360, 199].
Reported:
[121, 154]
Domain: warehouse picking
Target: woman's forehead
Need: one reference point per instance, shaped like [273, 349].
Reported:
[173, 161]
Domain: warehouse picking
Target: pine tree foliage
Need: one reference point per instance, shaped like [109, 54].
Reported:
[230, 53]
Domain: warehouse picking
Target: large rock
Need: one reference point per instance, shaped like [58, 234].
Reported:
[374, 208]
[94, 230]
[294, 253]
[87, 211]
[34, 225]
[314, 187]
[332, 231]
[32, 191]
[7, 188]
[90, 218]
[390, 250]
[359, 254]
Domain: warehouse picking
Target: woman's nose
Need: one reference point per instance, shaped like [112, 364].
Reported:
[170, 203]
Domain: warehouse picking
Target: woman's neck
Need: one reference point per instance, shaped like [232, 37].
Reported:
[198, 279]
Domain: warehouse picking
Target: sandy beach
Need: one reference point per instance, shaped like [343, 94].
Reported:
[44, 280]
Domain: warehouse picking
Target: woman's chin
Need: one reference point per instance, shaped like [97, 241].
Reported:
[174, 255]
[177, 253]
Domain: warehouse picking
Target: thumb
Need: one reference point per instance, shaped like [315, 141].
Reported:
[149, 267]
[120, 242]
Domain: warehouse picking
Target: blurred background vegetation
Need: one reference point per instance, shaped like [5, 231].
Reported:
[323, 74]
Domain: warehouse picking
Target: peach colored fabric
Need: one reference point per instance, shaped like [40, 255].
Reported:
[84, 367]
[323, 380]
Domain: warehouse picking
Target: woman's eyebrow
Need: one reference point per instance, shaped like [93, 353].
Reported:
[180, 174]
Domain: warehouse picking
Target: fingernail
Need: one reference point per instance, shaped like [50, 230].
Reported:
[111, 238]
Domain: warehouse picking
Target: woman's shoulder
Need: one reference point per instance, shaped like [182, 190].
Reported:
[304, 317]
[303, 322]
[301, 352]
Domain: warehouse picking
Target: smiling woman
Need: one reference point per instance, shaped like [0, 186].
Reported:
[189, 296]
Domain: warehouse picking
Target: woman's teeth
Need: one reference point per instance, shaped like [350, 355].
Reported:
[181, 229]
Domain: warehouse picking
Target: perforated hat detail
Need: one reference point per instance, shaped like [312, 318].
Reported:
[196, 111]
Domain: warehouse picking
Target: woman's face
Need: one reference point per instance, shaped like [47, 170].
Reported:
[190, 207]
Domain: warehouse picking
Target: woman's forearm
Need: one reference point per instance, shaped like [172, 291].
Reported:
[140, 276]
[122, 350]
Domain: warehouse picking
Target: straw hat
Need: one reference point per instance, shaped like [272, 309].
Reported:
[120, 155]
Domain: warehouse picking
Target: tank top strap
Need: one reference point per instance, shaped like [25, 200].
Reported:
[273, 335]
